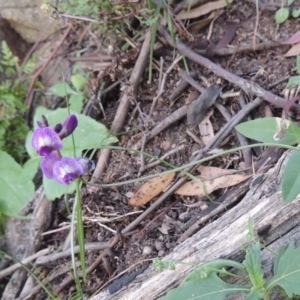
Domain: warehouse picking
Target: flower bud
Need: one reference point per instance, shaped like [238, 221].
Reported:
[68, 126]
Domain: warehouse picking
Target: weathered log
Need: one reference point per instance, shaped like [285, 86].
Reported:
[225, 237]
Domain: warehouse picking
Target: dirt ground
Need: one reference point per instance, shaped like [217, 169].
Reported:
[166, 226]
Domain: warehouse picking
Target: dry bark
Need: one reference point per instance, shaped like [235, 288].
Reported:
[225, 237]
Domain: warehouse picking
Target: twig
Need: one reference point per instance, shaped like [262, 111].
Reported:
[247, 86]
[25, 261]
[163, 82]
[188, 78]
[40, 71]
[243, 141]
[48, 259]
[155, 163]
[123, 108]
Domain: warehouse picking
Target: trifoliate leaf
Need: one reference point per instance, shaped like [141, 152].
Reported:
[253, 266]
[291, 178]
[209, 288]
[287, 271]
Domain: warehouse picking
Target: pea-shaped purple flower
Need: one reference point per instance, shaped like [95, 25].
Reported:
[48, 162]
[67, 127]
[67, 170]
[45, 140]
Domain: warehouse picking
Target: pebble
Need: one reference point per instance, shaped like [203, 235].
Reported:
[159, 245]
[147, 250]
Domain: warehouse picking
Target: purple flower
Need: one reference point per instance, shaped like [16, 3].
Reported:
[45, 140]
[67, 170]
[43, 123]
[48, 162]
[87, 165]
[67, 127]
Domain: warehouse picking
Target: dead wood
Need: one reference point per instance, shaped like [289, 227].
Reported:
[248, 86]
[24, 239]
[225, 237]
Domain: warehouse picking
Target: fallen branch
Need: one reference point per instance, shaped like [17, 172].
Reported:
[247, 86]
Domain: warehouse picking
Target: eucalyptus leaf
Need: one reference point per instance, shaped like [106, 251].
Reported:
[15, 192]
[209, 288]
[298, 64]
[291, 178]
[281, 15]
[264, 130]
[287, 272]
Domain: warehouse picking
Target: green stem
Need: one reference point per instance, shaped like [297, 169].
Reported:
[181, 169]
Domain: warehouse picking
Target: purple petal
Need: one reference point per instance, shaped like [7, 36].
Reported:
[48, 162]
[58, 127]
[68, 126]
[45, 140]
[67, 170]
[87, 165]
[43, 123]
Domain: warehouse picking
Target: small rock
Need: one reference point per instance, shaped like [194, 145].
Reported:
[161, 253]
[159, 245]
[147, 250]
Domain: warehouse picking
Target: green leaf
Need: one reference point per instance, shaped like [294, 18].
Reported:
[296, 13]
[281, 15]
[209, 288]
[89, 134]
[253, 266]
[29, 170]
[289, 2]
[255, 295]
[291, 178]
[32, 152]
[61, 89]
[287, 272]
[76, 102]
[79, 82]
[294, 80]
[14, 193]
[55, 190]
[263, 130]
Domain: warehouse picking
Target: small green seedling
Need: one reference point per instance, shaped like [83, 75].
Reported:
[283, 13]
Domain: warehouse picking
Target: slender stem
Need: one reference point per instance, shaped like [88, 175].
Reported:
[182, 168]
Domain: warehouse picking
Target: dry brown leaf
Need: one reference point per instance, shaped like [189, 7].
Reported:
[202, 10]
[195, 27]
[206, 128]
[208, 172]
[193, 188]
[150, 189]
[295, 50]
